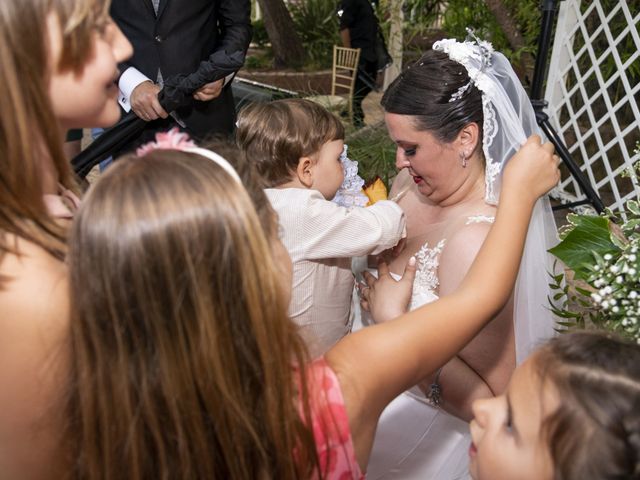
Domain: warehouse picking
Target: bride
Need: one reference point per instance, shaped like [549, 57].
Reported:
[456, 116]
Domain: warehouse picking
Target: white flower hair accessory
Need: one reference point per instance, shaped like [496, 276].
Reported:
[350, 192]
[474, 55]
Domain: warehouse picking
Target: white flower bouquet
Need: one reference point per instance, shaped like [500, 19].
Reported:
[601, 284]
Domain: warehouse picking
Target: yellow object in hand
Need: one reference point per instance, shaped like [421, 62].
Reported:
[375, 191]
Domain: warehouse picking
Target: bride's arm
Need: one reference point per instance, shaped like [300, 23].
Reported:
[377, 363]
[459, 385]
[483, 368]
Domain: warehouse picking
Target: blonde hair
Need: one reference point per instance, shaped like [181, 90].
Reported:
[184, 354]
[275, 135]
[28, 127]
[595, 432]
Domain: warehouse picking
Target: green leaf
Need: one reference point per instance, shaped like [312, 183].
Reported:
[567, 324]
[565, 314]
[630, 225]
[591, 235]
[633, 207]
[583, 291]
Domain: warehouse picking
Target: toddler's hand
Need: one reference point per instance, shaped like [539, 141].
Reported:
[533, 171]
[397, 250]
[385, 297]
[388, 255]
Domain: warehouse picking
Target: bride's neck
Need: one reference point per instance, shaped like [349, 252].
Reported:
[470, 192]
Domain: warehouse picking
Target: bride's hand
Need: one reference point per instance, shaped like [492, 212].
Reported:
[385, 297]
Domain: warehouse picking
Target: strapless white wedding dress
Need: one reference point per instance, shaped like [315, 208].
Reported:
[415, 441]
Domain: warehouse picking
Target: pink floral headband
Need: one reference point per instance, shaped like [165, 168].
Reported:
[174, 139]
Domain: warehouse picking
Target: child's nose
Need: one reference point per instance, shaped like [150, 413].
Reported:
[480, 410]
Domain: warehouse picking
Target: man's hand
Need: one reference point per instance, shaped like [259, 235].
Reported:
[144, 102]
[209, 91]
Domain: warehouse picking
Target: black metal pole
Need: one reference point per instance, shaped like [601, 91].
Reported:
[539, 105]
[544, 43]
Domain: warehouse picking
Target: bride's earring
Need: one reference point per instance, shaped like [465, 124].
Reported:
[463, 159]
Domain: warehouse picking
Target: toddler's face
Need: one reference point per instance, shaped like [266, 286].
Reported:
[327, 171]
[505, 431]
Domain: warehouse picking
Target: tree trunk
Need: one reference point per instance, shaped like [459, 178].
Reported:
[395, 42]
[285, 41]
[511, 30]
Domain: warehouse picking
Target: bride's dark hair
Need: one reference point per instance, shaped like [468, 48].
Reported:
[424, 90]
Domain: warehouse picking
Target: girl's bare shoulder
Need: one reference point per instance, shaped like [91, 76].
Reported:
[33, 291]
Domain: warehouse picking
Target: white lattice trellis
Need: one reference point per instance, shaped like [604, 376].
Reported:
[593, 90]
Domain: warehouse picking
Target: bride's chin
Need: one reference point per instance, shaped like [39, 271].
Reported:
[426, 191]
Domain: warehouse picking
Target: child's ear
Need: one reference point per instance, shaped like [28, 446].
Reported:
[305, 171]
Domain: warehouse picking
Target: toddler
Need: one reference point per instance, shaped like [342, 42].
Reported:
[296, 146]
[571, 412]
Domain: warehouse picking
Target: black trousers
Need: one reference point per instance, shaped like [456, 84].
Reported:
[365, 80]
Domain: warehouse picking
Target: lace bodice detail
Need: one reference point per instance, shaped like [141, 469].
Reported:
[426, 282]
[425, 285]
[480, 219]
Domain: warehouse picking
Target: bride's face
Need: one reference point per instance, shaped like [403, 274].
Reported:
[436, 167]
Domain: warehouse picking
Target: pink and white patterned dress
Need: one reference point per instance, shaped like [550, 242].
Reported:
[330, 424]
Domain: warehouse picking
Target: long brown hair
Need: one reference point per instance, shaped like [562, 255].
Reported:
[28, 128]
[183, 349]
[595, 432]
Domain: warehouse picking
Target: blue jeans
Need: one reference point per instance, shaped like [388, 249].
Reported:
[95, 133]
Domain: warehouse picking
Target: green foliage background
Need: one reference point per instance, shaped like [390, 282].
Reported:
[316, 22]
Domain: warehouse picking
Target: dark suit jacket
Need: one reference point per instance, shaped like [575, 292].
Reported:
[181, 41]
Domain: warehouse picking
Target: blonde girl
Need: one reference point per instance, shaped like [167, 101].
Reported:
[57, 63]
[185, 362]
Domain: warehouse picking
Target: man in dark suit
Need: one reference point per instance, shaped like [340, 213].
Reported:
[359, 29]
[191, 48]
